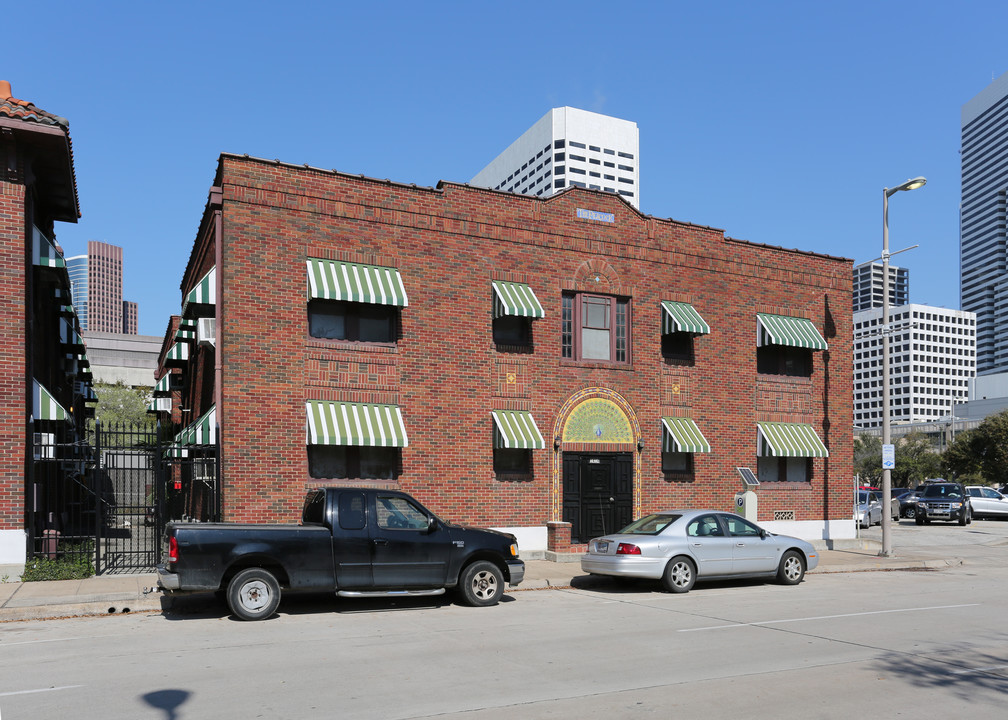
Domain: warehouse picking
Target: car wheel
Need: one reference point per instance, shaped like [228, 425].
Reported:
[680, 575]
[910, 513]
[253, 594]
[482, 584]
[792, 568]
[918, 520]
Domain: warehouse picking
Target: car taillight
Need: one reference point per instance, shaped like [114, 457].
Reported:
[627, 549]
[172, 549]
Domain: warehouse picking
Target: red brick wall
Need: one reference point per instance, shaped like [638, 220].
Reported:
[12, 355]
[446, 373]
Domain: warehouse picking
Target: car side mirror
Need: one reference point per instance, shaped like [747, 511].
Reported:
[432, 523]
[762, 534]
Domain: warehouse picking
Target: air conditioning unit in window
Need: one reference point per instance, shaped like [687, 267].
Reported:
[206, 331]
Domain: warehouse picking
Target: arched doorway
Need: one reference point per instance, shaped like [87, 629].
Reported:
[596, 469]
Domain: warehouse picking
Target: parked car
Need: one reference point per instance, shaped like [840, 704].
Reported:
[946, 501]
[354, 542]
[680, 547]
[908, 504]
[869, 508]
[987, 502]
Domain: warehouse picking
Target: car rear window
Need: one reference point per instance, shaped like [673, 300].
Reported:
[650, 524]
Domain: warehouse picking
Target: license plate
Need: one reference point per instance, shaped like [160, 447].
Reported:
[602, 547]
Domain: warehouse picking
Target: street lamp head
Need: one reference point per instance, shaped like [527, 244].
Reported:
[908, 185]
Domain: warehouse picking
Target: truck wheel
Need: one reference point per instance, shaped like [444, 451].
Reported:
[482, 584]
[253, 594]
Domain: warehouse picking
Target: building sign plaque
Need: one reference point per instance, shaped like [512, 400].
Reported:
[583, 214]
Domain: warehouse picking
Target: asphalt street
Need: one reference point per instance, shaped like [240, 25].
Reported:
[880, 644]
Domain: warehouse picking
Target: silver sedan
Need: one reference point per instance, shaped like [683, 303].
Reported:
[680, 547]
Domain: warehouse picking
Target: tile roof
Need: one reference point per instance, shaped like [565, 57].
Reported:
[25, 110]
[28, 112]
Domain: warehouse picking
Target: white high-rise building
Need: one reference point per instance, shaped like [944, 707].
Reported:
[983, 254]
[569, 147]
[932, 358]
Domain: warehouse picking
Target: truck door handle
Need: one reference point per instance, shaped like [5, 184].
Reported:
[380, 541]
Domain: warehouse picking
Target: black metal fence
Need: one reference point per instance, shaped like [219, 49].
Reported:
[105, 501]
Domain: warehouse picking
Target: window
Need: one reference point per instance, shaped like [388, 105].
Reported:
[705, 526]
[314, 508]
[352, 515]
[338, 462]
[512, 461]
[577, 145]
[784, 469]
[784, 360]
[678, 346]
[595, 327]
[356, 322]
[398, 513]
[677, 463]
[512, 330]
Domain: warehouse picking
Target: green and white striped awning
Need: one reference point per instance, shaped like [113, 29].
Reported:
[186, 329]
[44, 405]
[516, 299]
[682, 435]
[345, 423]
[163, 387]
[202, 296]
[516, 429]
[201, 432]
[44, 252]
[159, 404]
[176, 450]
[791, 331]
[682, 317]
[177, 355]
[777, 439]
[69, 335]
[88, 393]
[355, 282]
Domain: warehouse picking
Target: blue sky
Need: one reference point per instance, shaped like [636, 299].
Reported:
[779, 122]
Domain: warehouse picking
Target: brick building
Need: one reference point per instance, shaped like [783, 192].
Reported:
[45, 381]
[553, 366]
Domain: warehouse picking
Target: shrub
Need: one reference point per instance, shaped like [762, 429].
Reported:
[73, 561]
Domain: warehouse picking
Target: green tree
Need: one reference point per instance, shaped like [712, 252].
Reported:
[868, 459]
[120, 403]
[980, 455]
[916, 461]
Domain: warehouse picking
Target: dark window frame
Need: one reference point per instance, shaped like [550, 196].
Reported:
[352, 461]
[353, 313]
[784, 360]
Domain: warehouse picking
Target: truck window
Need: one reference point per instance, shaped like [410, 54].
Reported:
[314, 508]
[398, 513]
[351, 511]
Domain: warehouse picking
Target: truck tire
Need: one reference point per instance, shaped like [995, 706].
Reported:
[481, 584]
[253, 594]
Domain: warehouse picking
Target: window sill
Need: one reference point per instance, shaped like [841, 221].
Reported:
[597, 364]
[352, 345]
[773, 378]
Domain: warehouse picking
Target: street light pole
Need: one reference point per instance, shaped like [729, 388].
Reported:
[886, 433]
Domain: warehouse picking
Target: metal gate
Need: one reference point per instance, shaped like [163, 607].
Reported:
[107, 501]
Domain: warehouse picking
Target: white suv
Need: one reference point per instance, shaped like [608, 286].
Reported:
[987, 502]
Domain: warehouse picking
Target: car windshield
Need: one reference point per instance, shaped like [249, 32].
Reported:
[862, 496]
[650, 524]
[942, 491]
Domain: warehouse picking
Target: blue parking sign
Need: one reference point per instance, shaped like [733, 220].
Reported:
[888, 457]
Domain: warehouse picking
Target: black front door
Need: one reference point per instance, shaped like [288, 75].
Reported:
[598, 493]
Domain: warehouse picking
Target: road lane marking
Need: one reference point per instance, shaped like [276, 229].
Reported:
[827, 617]
[40, 690]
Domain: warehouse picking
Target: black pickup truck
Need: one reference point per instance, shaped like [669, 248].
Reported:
[352, 541]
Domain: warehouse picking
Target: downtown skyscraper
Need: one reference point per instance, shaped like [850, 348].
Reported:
[96, 286]
[983, 253]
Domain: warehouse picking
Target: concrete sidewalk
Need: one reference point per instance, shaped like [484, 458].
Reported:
[117, 594]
